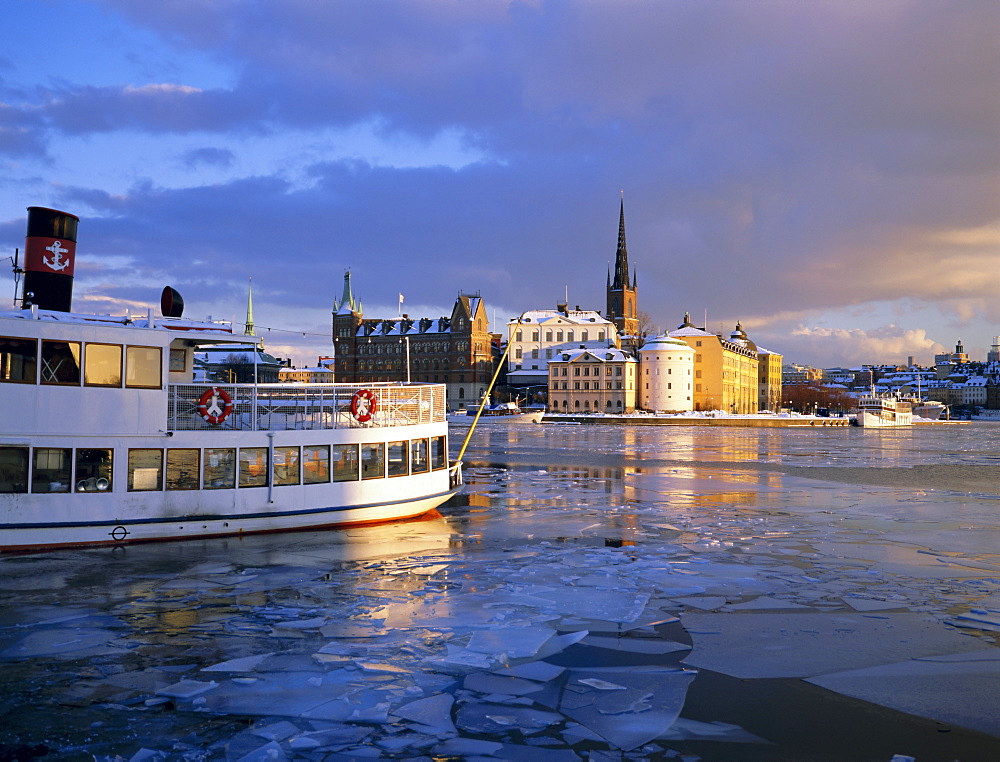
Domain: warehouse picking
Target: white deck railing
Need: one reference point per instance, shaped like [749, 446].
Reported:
[281, 407]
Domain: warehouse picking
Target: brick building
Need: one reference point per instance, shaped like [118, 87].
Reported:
[454, 350]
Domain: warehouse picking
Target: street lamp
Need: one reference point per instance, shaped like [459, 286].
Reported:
[406, 340]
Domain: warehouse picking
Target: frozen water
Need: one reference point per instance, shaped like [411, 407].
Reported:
[512, 641]
[389, 641]
[804, 645]
[433, 712]
[627, 706]
[960, 688]
[635, 645]
[534, 670]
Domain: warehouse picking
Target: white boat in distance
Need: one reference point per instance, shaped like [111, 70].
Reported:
[929, 409]
[106, 438]
[874, 411]
[501, 412]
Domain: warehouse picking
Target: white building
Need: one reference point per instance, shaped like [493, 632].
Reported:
[666, 368]
[545, 334]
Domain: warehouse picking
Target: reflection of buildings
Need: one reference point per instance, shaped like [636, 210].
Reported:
[455, 350]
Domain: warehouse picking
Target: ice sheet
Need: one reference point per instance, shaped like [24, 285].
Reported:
[958, 688]
[805, 645]
[628, 707]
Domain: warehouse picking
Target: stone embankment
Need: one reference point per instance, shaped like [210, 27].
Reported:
[721, 419]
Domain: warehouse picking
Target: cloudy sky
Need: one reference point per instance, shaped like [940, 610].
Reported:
[826, 172]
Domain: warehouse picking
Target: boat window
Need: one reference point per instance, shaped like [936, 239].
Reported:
[398, 458]
[345, 463]
[372, 461]
[316, 464]
[102, 365]
[220, 468]
[419, 462]
[439, 453]
[143, 368]
[18, 360]
[253, 466]
[13, 469]
[61, 362]
[145, 470]
[183, 466]
[286, 465]
[52, 469]
[93, 470]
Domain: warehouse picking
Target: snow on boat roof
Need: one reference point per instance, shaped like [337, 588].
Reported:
[208, 331]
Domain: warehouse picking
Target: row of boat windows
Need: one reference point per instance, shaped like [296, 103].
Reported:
[68, 363]
[65, 469]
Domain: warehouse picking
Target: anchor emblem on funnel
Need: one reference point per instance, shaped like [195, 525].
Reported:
[57, 262]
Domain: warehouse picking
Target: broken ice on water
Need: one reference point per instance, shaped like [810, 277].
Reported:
[573, 622]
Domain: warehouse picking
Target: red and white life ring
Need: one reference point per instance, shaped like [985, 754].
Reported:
[363, 405]
[215, 405]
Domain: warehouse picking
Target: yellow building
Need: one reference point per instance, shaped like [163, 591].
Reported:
[769, 380]
[726, 371]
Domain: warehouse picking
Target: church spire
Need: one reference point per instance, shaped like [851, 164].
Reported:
[250, 329]
[621, 256]
[347, 303]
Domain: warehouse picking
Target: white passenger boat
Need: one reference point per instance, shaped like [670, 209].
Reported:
[106, 438]
[929, 409]
[875, 411]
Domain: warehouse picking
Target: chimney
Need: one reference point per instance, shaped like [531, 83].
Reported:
[49, 256]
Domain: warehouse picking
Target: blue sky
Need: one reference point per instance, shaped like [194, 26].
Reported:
[828, 173]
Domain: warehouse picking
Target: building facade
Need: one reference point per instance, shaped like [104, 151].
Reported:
[769, 376]
[592, 381]
[666, 375]
[321, 373]
[726, 370]
[543, 335]
[454, 350]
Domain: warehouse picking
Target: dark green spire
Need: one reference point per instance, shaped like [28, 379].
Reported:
[621, 279]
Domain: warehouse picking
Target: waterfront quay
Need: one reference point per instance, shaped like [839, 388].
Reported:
[765, 421]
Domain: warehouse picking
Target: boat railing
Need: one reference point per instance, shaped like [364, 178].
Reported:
[283, 407]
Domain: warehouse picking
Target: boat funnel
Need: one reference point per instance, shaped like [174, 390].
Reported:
[49, 256]
[171, 303]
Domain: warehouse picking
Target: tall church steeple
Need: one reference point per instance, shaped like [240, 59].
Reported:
[622, 308]
[250, 327]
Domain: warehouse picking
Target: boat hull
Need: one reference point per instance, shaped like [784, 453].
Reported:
[871, 421]
[533, 417]
[115, 531]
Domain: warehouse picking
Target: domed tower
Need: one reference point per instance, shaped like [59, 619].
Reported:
[666, 373]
